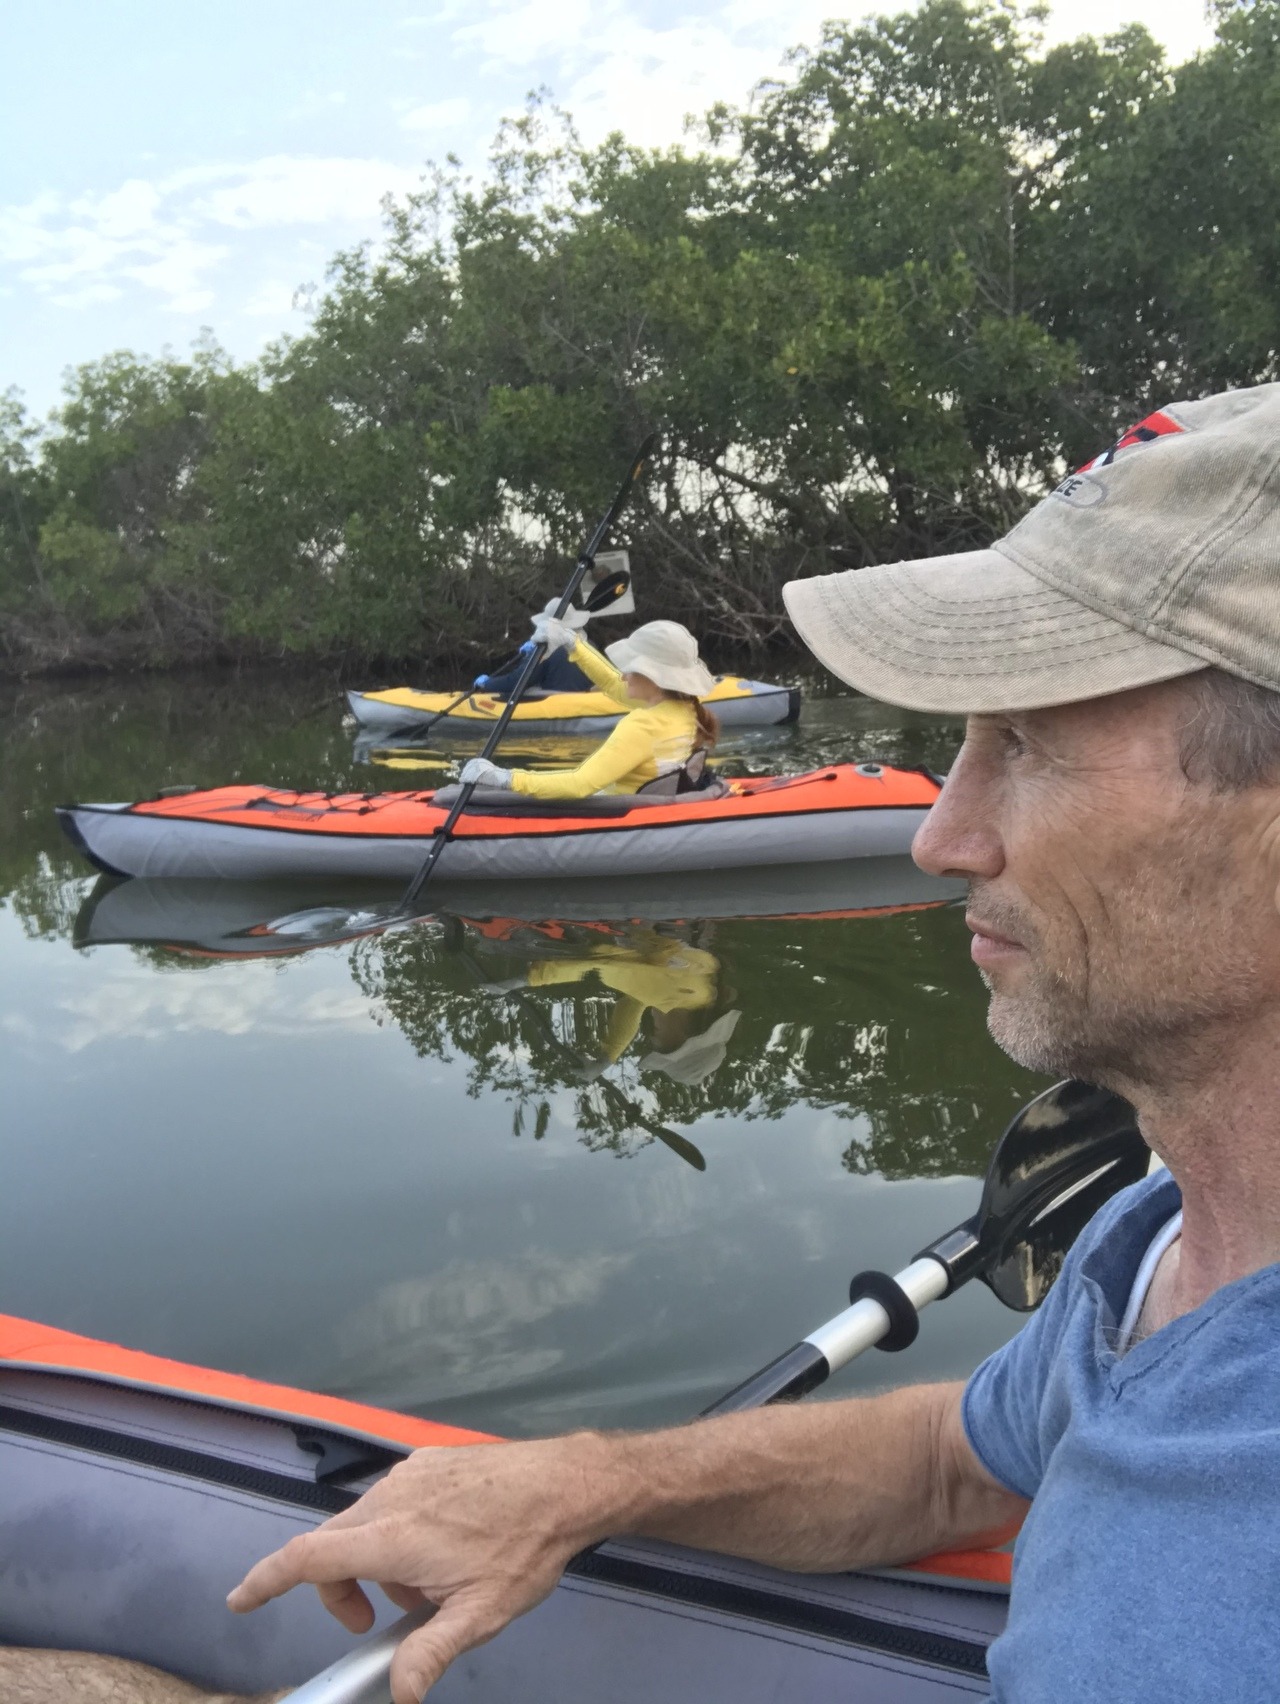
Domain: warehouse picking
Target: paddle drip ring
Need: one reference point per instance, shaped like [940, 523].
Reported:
[904, 1321]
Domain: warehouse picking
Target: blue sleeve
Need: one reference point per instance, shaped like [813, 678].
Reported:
[1003, 1399]
[501, 684]
[1017, 1404]
[562, 674]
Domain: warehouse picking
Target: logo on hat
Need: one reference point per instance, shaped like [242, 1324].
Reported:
[1157, 425]
[1081, 491]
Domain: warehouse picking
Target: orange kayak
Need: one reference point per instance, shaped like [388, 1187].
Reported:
[138, 1490]
[257, 833]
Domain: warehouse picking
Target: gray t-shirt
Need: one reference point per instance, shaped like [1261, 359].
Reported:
[1148, 1570]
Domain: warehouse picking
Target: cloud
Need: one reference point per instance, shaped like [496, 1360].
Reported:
[648, 78]
[1184, 26]
[137, 1005]
[291, 190]
[87, 296]
[273, 299]
[467, 1326]
[437, 115]
[534, 30]
[171, 235]
[315, 103]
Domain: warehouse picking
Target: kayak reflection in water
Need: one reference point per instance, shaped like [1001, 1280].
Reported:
[668, 979]
[660, 745]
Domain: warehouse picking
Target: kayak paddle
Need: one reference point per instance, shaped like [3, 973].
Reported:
[586, 557]
[1060, 1158]
[605, 592]
[329, 925]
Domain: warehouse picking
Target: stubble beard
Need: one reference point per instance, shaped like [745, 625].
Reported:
[1147, 1007]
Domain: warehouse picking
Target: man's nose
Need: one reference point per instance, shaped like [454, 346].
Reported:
[960, 837]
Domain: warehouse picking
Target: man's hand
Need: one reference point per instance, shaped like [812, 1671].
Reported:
[483, 1532]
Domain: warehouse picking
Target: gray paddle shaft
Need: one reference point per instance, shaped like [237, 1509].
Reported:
[363, 1677]
[861, 1326]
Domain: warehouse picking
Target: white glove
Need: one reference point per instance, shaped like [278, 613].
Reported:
[479, 772]
[555, 635]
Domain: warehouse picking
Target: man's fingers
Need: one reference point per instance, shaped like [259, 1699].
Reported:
[326, 1556]
[427, 1652]
[347, 1603]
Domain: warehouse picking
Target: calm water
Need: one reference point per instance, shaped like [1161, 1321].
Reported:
[415, 1168]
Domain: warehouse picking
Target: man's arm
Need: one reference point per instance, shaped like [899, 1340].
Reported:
[485, 1531]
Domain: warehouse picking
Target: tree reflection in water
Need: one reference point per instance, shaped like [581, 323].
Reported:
[872, 1019]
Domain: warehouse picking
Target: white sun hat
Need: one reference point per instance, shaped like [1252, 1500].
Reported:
[697, 1058]
[572, 617]
[665, 653]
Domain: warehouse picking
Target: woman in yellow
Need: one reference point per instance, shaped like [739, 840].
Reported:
[657, 674]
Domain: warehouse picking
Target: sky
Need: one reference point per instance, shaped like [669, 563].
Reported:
[168, 168]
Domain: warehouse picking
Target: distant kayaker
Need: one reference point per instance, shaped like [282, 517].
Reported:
[657, 675]
[555, 673]
[1115, 809]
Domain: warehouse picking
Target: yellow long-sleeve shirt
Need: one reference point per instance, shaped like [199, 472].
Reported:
[650, 740]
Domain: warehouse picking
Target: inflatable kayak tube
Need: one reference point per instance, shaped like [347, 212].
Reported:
[137, 1491]
[737, 704]
[258, 833]
[233, 919]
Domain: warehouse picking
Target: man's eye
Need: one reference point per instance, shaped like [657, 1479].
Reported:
[1012, 741]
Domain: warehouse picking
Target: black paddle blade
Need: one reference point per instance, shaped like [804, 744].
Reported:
[1060, 1137]
[607, 591]
[1026, 1265]
[1057, 1162]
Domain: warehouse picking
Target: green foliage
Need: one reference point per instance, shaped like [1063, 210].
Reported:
[874, 315]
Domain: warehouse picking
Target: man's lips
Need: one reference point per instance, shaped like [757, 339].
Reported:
[989, 946]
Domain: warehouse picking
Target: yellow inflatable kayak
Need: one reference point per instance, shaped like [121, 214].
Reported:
[738, 703]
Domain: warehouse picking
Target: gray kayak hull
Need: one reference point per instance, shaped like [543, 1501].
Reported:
[764, 706]
[125, 842]
[232, 918]
[129, 1514]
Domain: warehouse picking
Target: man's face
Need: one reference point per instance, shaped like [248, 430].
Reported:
[1122, 916]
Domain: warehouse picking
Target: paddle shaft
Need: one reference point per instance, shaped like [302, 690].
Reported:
[362, 1676]
[952, 1260]
[426, 727]
[833, 1345]
[585, 559]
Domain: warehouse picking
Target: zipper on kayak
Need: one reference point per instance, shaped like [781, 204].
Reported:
[174, 1458]
[757, 1603]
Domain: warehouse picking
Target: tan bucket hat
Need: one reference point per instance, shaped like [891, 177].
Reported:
[667, 654]
[1159, 557]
